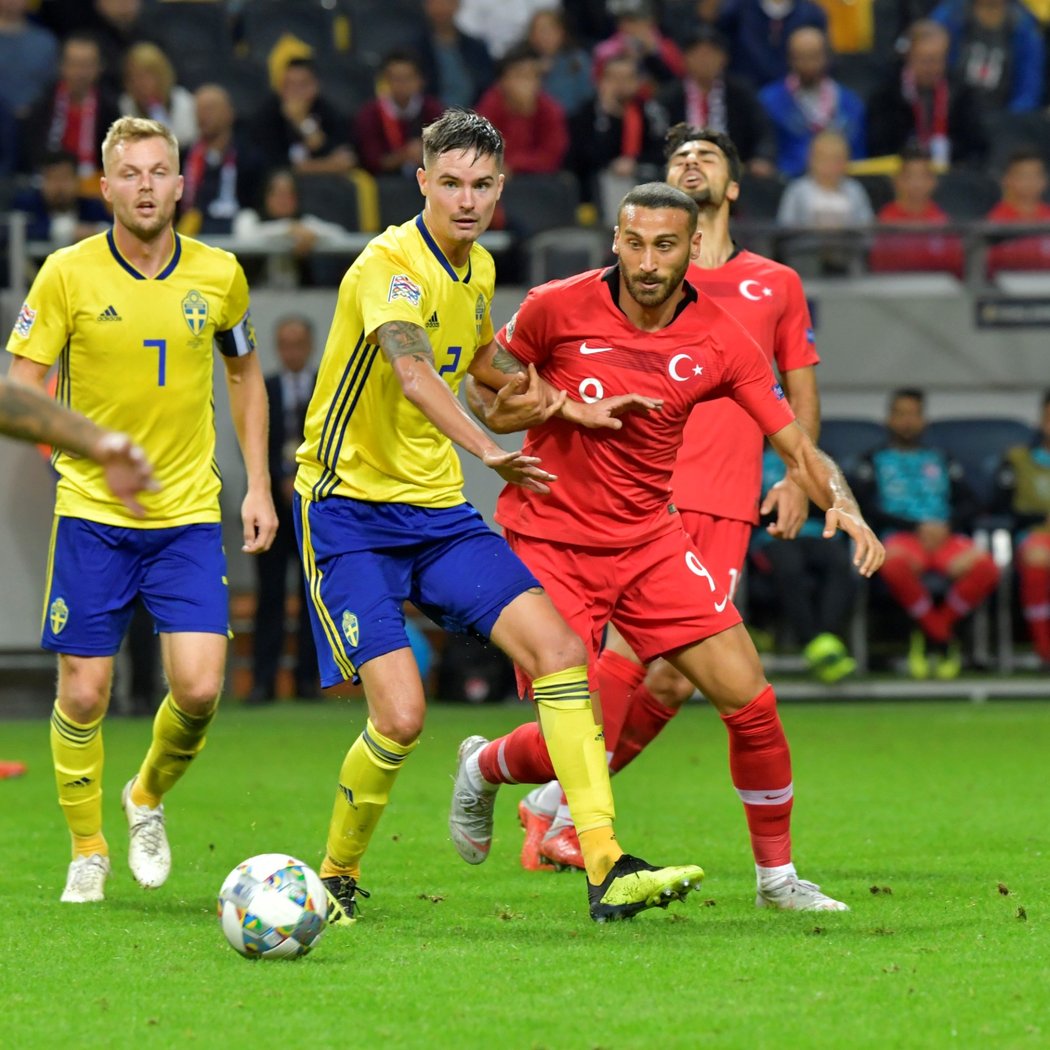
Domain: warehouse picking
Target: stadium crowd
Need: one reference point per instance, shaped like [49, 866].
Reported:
[847, 115]
[301, 122]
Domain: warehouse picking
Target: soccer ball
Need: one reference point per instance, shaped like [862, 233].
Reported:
[272, 907]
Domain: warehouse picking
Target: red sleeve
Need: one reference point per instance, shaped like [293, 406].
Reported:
[525, 334]
[794, 343]
[750, 382]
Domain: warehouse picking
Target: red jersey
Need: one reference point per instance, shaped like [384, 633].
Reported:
[719, 468]
[1019, 253]
[614, 486]
[920, 251]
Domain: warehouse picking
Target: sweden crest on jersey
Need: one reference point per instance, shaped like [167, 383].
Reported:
[195, 310]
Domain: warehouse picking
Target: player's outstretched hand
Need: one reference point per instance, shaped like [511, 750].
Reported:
[126, 469]
[523, 401]
[259, 519]
[519, 469]
[869, 553]
[606, 413]
[792, 507]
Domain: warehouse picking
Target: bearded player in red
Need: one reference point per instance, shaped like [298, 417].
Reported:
[608, 543]
[718, 474]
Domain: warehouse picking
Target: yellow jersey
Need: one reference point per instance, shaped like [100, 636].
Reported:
[363, 438]
[135, 354]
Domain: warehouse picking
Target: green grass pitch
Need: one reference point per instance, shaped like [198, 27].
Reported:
[929, 819]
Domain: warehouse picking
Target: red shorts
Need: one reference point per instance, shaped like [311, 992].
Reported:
[723, 542]
[660, 594]
[907, 544]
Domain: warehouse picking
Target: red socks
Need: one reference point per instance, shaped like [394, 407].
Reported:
[618, 679]
[760, 765]
[520, 757]
[1035, 594]
[645, 719]
[970, 589]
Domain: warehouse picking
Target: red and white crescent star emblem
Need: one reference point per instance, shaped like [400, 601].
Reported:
[688, 370]
[746, 289]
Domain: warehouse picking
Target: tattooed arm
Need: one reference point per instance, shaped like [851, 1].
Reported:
[407, 348]
[28, 415]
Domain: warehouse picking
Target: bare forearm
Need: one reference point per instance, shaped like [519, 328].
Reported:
[800, 385]
[29, 415]
[250, 413]
[819, 476]
[408, 350]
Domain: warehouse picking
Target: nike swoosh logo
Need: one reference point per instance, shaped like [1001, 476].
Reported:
[719, 606]
[585, 349]
[779, 795]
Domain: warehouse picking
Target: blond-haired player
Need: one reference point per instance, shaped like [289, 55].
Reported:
[131, 317]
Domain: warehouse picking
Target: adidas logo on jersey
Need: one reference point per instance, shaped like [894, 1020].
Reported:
[432, 321]
[110, 314]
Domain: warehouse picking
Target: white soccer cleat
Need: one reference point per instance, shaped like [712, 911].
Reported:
[86, 881]
[794, 894]
[471, 815]
[149, 855]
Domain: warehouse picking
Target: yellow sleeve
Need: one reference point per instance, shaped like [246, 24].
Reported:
[235, 333]
[388, 290]
[487, 331]
[43, 326]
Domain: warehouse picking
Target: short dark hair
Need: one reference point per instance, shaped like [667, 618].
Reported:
[301, 62]
[911, 393]
[53, 157]
[680, 134]
[1024, 154]
[398, 56]
[515, 56]
[913, 151]
[660, 195]
[461, 129]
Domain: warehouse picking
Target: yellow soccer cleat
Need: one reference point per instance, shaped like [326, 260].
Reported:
[632, 886]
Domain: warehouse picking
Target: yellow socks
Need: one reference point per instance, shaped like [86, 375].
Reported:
[577, 750]
[177, 740]
[365, 779]
[77, 754]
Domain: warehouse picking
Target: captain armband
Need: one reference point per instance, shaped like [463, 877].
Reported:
[239, 340]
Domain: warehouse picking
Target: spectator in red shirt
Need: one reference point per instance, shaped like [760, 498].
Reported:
[913, 203]
[389, 128]
[1023, 184]
[532, 123]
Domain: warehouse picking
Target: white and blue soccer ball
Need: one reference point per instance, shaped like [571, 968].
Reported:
[272, 907]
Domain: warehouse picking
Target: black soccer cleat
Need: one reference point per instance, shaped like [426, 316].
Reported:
[632, 886]
[342, 892]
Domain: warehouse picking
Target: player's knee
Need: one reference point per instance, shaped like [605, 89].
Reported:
[403, 727]
[198, 698]
[563, 652]
[83, 696]
[670, 687]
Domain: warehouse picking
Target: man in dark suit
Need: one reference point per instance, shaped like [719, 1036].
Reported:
[288, 392]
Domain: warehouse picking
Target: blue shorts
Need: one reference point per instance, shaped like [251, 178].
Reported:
[96, 572]
[364, 560]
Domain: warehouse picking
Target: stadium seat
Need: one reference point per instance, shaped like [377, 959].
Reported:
[535, 203]
[966, 195]
[329, 197]
[847, 440]
[979, 446]
[196, 37]
[263, 22]
[346, 83]
[565, 251]
[399, 199]
[760, 197]
[248, 84]
[380, 26]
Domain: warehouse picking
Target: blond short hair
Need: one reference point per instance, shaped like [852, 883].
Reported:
[136, 129]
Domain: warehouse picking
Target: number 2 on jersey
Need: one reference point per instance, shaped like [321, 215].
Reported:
[452, 363]
[162, 353]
